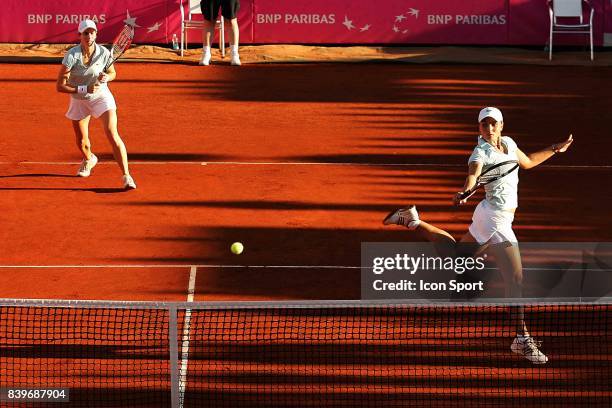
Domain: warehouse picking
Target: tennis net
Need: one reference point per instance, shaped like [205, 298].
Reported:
[304, 354]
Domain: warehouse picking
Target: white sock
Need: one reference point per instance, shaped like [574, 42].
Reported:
[206, 50]
[234, 48]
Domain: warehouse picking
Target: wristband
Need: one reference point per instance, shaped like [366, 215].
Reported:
[554, 149]
[82, 89]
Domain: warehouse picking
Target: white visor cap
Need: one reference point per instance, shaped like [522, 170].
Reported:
[490, 112]
[85, 24]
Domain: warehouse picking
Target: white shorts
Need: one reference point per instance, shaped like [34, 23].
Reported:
[82, 108]
[490, 225]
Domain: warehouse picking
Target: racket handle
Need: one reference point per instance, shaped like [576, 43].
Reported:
[466, 194]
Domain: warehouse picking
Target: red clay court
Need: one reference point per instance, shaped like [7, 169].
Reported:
[300, 163]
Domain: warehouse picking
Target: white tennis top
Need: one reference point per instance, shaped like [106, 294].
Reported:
[501, 194]
[81, 74]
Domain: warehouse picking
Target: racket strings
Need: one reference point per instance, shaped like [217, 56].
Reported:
[491, 174]
[497, 172]
[122, 42]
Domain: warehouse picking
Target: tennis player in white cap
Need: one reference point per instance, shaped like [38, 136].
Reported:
[491, 227]
[82, 76]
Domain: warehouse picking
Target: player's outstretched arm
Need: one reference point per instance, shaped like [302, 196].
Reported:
[474, 170]
[529, 161]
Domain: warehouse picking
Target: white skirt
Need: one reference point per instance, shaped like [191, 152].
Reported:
[82, 108]
[490, 225]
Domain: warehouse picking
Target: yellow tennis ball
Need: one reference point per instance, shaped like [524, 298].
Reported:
[237, 248]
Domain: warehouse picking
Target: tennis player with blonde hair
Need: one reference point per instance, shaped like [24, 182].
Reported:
[491, 227]
[82, 76]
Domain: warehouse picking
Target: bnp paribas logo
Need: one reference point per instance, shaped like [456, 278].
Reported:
[402, 21]
[65, 18]
[399, 23]
[74, 19]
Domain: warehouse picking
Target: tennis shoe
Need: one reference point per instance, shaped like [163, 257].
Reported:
[235, 59]
[205, 60]
[408, 217]
[128, 182]
[87, 165]
[527, 347]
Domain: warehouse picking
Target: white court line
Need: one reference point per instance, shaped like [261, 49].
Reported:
[178, 266]
[192, 280]
[185, 337]
[63, 163]
[194, 267]
[603, 166]
[255, 163]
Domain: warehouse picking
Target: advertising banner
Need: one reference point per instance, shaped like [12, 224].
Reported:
[155, 21]
[43, 21]
[394, 21]
[608, 24]
[414, 22]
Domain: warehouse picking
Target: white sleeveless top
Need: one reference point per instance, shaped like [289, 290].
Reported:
[501, 194]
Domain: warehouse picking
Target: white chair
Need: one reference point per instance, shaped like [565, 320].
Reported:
[567, 17]
[191, 23]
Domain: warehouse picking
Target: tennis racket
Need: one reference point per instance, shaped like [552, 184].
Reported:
[491, 174]
[122, 42]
